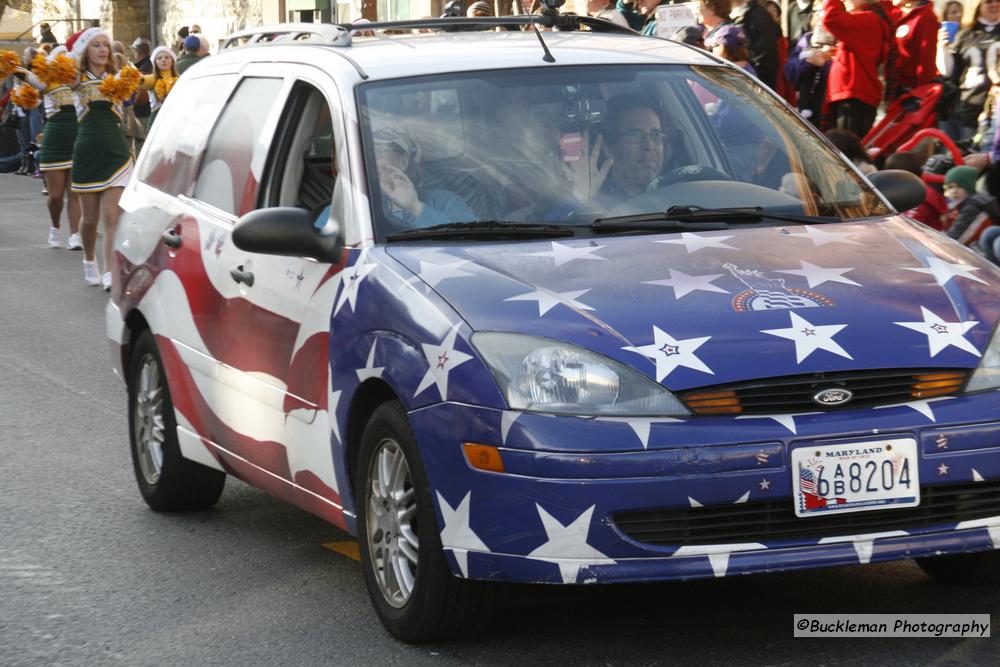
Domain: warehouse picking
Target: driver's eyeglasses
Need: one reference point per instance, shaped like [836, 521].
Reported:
[654, 136]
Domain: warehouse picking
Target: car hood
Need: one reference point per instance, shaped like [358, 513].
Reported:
[693, 310]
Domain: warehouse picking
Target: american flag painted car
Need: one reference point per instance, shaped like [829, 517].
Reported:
[370, 278]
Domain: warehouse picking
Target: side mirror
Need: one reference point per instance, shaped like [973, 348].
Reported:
[903, 189]
[287, 231]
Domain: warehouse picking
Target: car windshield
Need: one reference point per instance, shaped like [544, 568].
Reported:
[571, 145]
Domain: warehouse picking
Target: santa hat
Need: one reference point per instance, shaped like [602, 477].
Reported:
[72, 40]
[85, 38]
[162, 49]
[57, 51]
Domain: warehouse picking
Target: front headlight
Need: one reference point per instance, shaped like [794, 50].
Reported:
[544, 375]
[987, 376]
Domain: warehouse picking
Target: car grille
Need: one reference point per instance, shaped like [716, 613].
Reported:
[795, 393]
[775, 519]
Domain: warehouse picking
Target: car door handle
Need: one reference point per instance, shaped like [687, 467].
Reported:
[171, 238]
[241, 276]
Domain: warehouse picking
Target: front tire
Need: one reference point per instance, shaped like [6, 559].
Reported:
[979, 568]
[408, 579]
[167, 481]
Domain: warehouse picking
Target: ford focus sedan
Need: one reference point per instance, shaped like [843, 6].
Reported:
[620, 316]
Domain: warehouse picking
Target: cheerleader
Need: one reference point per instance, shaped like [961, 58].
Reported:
[162, 80]
[55, 157]
[102, 161]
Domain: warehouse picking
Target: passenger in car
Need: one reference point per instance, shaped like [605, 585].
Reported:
[397, 158]
[636, 142]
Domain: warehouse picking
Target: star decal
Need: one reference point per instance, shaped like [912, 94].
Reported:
[941, 334]
[507, 419]
[351, 279]
[863, 544]
[764, 484]
[683, 284]
[742, 499]
[694, 242]
[566, 546]
[788, 421]
[332, 401]
[817, 275]
[976, 477]
[457, 534]
[670, 353]
[943, 469]
[370, 370]
[564, 254]
[809, 337]
[548, 300]
[640, 425]
[432, 273]
[718, 554]
[944, 271]
[821, 237]
[441, 359]
[693, 502]
[921, 406]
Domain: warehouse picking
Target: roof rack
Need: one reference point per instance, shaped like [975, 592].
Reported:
[283, 33]
[567, 22]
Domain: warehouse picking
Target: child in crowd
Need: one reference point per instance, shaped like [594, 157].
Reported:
[974, 211]
[934, 211]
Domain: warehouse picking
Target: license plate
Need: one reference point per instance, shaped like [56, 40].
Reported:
[854, 477]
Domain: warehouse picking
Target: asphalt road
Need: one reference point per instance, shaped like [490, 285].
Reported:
[90, 576]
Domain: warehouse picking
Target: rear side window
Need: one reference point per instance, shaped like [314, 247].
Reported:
[225, 180]
[172, 153]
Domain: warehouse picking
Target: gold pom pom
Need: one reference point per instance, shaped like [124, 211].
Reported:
[25, 96]
[8, 63]
[62, 70]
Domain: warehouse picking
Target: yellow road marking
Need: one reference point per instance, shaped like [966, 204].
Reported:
[349, 549]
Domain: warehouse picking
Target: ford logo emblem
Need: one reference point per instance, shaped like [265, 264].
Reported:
[834, 396]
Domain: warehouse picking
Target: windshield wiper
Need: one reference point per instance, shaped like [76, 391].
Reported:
[490, 229]
[686, 217]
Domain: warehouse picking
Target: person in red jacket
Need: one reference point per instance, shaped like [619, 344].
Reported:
[916, 48]
[863, 36]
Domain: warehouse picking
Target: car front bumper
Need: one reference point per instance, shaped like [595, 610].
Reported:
[551, 515]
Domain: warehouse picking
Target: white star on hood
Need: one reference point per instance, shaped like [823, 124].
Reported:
[788, 421]
[944, 271]
[457, 534]
[351, 278]
[941, 334]
[821, 237]
[640, 425]
[808, 337]
[548, 300]
[563, 254]
[441, 359]
[669, 353]
[432, 273]
[817, 275]
[684, 284]
[693, 242]
[567, 545]
[923, 406]
[370, 370]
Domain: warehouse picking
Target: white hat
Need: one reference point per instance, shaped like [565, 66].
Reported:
[162, 49]
[85, 38]
[57, 51]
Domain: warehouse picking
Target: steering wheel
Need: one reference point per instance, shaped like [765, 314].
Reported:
[693, 172]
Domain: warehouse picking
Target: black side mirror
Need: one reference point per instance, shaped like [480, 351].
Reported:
[287, 231]
[903, 189]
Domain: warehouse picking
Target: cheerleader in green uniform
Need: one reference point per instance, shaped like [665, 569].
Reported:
[161, 81]
[55, 156]
[102, 160]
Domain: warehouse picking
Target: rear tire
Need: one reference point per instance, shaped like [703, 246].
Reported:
[167, 481]
[415, 595]
[982, 567]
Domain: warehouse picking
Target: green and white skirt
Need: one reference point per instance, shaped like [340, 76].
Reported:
[102, 158]
[58, 138]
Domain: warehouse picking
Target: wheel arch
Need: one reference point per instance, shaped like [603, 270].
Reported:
[135, 324]
[369, 395]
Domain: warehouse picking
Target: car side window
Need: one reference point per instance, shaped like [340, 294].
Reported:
[178, 138]
[226, 180]
[305, 164]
